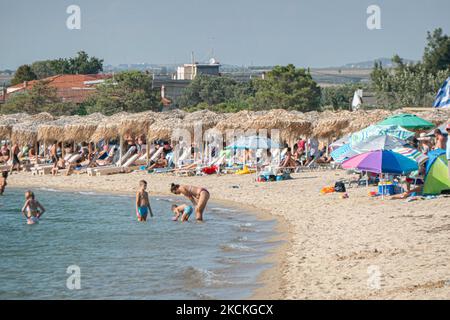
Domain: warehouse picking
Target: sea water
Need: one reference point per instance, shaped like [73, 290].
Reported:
[120, 258]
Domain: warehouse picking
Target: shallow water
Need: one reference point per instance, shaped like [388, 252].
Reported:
[120, 258]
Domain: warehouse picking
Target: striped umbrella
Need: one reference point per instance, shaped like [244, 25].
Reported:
[380, 130]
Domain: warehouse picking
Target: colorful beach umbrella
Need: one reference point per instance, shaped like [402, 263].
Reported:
[380, 130]
[407, 121]
[412, 153]
[378, 143]
[343, 153]
[381, 161]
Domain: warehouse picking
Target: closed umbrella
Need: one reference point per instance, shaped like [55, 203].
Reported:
[408, 121]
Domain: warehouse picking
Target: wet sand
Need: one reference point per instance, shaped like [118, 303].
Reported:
[356, 248]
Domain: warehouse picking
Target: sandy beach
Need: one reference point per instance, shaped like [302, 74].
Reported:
[356, 248]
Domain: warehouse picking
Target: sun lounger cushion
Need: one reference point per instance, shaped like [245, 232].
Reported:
[74, 158]
[131, 160]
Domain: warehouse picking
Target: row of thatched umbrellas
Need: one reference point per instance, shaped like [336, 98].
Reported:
[43, 127]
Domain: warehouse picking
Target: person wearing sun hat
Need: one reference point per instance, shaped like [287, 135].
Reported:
[425, 143]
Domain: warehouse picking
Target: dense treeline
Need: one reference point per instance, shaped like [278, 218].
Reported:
[285, 87]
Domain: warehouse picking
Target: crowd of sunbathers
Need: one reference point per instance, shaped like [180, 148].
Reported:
[73, 157]
[304, 153]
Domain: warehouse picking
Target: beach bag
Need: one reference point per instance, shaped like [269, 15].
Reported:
[339, 187]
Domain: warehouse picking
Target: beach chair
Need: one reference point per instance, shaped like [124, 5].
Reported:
[102, 171]
[44, 170]
[5, 167]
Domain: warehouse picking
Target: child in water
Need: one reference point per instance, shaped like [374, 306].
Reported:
[3, 183]
[143, 202]
[32, 209]
[184, 211]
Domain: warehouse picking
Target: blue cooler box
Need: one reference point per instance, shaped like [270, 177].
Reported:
[387, 190]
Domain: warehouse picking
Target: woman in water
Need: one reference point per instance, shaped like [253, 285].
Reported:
[198, 196]
[32, 209]
[143, 202]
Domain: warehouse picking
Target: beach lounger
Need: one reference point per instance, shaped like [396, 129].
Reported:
[102, 171]
[42, 171]
[5, 167]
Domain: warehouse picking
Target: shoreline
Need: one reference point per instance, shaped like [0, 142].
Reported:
[268, 279]
[330, 244]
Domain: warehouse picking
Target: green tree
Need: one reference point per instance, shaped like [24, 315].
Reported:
[208, 89]
[437, 51]
[129, 91]
[23, 73]
[406, 85]
[338, 97]
[287, 87]
[83, 64]
[80, 64]
[38, 99]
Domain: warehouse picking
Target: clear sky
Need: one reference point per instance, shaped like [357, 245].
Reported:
[314, 33]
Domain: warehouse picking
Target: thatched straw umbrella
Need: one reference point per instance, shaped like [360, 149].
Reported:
[81, 129]
[204, 118]
[362, 119]
[291, 125]
[137, 123]
[163, 127]
[26, 132]
[108, 128]
[331, 124]
[235, 121]
[436, 116]
[8, 121]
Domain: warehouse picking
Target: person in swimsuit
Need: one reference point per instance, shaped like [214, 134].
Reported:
[143, 202]
[32, 209]
[184, 211]
[15, 153]
[3, 183]
[198, 196]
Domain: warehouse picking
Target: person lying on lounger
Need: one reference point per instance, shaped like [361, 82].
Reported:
[59, 165]
[160, 163]
[288, 161]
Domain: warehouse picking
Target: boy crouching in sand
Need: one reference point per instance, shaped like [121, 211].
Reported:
[184, 211]
[143, 202]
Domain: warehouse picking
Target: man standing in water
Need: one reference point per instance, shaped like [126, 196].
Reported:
[198, 196]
